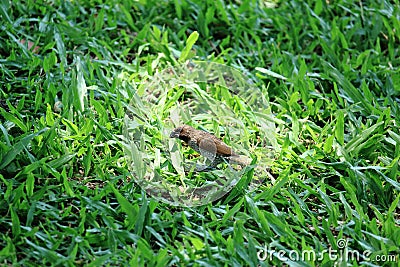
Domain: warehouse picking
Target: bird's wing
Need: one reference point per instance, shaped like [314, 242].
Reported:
[223, 148]
[208, 148]
[212, 143]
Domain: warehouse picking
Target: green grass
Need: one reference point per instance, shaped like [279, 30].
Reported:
[330, 70]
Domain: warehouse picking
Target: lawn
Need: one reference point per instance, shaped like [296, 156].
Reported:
[313, 101]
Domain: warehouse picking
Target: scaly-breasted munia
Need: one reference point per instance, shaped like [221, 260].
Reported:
[208, 145]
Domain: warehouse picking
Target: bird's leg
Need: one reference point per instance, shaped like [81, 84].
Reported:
[189, 168]
[199, 168]
[205, 167]
[217, 160]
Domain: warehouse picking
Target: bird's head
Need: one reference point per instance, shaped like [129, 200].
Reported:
[176, 132]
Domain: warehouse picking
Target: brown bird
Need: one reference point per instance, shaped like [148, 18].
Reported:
[208, 145]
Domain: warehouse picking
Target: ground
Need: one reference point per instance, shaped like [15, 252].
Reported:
[329, 70]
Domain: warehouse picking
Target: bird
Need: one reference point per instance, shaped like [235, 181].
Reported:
[208, 145]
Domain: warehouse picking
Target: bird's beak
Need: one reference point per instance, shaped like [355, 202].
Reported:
[174, 134]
